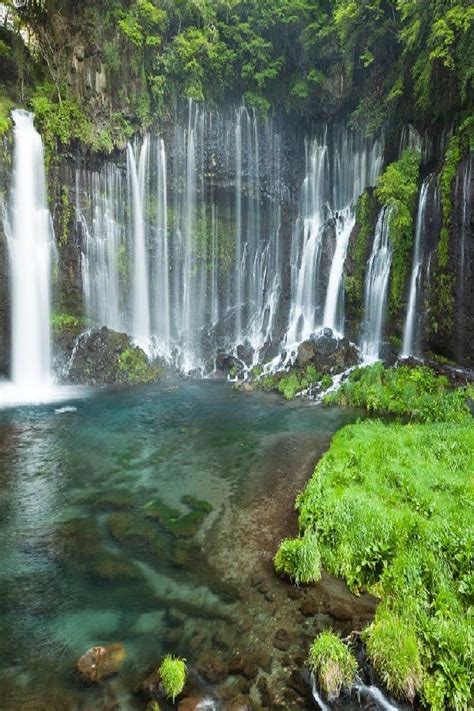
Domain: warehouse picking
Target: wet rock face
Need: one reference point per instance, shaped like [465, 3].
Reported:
[4, 307]
[100, 662]
[328, 353]
[104, 357]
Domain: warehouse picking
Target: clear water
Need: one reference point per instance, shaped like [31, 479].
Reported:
[60, 594]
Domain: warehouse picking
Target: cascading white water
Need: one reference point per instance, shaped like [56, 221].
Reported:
[339, 165]
[333, 313]
[409, 345]
[376, 287]
[200, 244]
[161, 310]
[305, 262]
[103, 246]
[140, 283]
[30, 244]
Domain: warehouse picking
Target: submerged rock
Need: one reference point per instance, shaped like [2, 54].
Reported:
[328, 353]
[239, 703]
[100, 662]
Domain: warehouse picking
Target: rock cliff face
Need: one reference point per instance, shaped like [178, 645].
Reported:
[4, 307]
[453, 337]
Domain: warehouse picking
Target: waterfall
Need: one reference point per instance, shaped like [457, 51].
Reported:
[140, 293]
[103, 245]
[376, 286]
[409, 346]
[333, 312]
[161, 265]
[340, 164]
[30, 244]
[196, 261]
[307, 256]
[464, 272]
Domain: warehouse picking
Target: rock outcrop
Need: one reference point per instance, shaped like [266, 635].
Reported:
[328, 353]
[105, 357]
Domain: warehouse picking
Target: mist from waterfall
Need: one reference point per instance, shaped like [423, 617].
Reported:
[30, 243]
[410, 334]
[376, 287]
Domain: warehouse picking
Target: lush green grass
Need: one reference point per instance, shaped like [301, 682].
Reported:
[173, 675]
[390, 509]
[413, 392]
[332, 663]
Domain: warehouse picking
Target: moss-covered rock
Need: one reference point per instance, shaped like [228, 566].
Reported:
[103, 357]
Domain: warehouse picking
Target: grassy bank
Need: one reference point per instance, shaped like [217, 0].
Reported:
[390, 509]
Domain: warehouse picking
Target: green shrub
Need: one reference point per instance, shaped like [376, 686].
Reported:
[299, 558]
[6, 106]
[173, 675]
[332, 663]
[414, 392]
[392, 646]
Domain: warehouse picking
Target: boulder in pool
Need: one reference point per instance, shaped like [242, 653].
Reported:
[100, 662]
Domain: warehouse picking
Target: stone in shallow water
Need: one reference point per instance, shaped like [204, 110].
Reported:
[282, 640]
[239, 703]
[212, 668]
[100, 662]
[195, 703]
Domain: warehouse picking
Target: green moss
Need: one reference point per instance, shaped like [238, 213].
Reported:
[366, 217]
[452, 159]
[397, 189]
[66, 214]
[174, 522]
[334, 666]
[390, 510]
[63, 322]
[173, 676]
[134, 367]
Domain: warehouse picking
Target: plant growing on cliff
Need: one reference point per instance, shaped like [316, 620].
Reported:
[332, 663]
[398, 188]
[134, 367]
[173, 675]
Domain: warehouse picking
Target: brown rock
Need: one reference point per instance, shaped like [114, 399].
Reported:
[239, 703]
[151, 686]
[309, 607]
[282, 640]
[192, 703]
[100, 662]
[212, 668]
